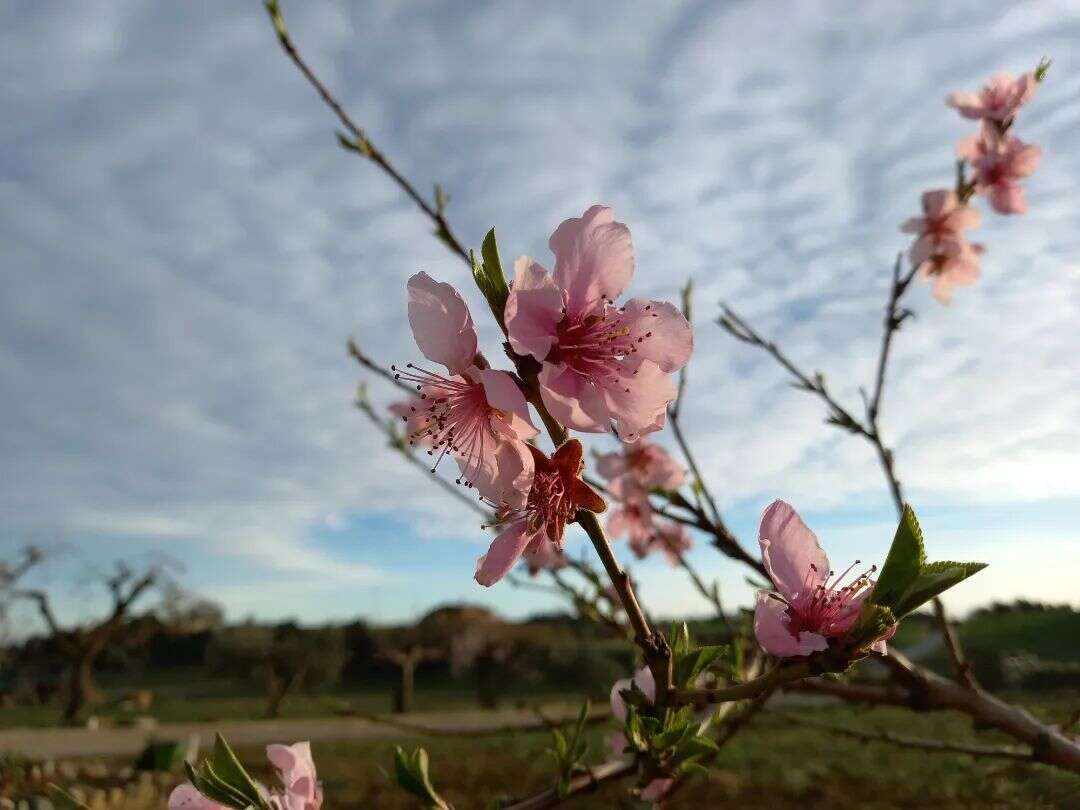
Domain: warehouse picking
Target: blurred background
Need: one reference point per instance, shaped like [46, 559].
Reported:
[187, 250]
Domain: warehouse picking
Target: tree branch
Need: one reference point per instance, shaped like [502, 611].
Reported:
[360, 144]
[937, 746]
[961, 668]
[582, 783]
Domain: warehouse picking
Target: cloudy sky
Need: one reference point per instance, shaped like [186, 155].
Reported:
[186, 251]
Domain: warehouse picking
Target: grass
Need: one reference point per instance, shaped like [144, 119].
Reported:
[770, 764]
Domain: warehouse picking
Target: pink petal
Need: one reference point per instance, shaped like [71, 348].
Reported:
[790, 551]
[618, 743]
[1024, 159]
[772, 633]
[441, 323]
[594, 259]
[970, 148]
[503, 393]
[186, 797]
[533, 309]
[913, 225]
[645, 682]
[611, 465]
[503, 554]
[968, 104]
[1007, 198]
[505, 473]
[638, 398]
[573, 400]
[938, 202]
[962, 218]
[671, 340]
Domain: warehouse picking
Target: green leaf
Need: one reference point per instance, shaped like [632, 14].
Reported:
[933, 580]
[680, 638]
[228, 768]
[873, 621]
[488, 274]
[210, 785]
[907, 555]
[412, 776]
[689, 665]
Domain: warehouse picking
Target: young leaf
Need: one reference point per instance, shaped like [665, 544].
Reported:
[412, 776]
[488, 274]
[934, 579]
[906, 557]
[228, 768]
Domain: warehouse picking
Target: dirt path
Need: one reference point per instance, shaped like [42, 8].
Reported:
[55, 743]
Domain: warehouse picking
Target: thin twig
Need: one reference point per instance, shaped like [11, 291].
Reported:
[365, 360]
[359, 143]
[916, 743]
[961, 668]
[582, 783]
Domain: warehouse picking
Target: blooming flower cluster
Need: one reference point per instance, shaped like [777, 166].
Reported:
[811, 605]
[998, 161]
[300, 788]
[632, 474]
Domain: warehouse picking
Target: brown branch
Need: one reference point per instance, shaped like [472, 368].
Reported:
[918, 744]
[582, 783]
[770, 681]
[961, 668]
[41, 599]
[537, 722]
[359, 143]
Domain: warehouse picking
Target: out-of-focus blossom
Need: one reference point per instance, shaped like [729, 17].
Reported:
[475, 413]
[999, 163]
[998, 100]
[650, 465]
[546, 557]
[940, 251]
[632, 516]
[600, 363]
[656, 790]
[300, 788]
[810, 605]
[540, 514]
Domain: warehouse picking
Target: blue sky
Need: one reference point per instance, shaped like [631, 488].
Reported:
[186, 251]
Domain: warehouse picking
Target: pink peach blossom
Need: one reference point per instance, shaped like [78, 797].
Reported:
[546, 557]
[632, 517]
[656, 790]
[475, 413]
[809, 607]
[185, 797]
[600, 363]
[414, 413]
[296, 770]
[940, 251]
[649, 464]
[998, 100]
[1000, 161]
[539, 515]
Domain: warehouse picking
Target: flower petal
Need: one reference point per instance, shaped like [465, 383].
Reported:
[441, 323]
[637, 398]
[573, 400]
[186, 797]
[533, 309]
[665, 335]
[503, 394]
[772, 633]
[505, 550]
[594, 259]
[790, 551]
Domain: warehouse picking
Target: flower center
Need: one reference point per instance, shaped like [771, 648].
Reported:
[594, 345]
[549, 506]
[829, 608]
[454, 417]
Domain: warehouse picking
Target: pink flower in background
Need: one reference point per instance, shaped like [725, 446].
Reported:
[601, 363]
[540, 514]
[809, 606]
[1000, 162]
[672, 540]
[656, 790]
[185, 797]
[632, 517]
[998, 100]
[296, 770]
[953, 264]
[546, 557]
[650, 465]
[647, 684]
[475, 413]
[940, 251]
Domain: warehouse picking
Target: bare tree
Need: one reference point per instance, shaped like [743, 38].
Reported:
[81, 646]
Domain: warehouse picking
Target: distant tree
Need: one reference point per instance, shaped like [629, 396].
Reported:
[285, 658]
[81, 647]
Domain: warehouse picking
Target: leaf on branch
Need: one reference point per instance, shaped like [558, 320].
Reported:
[411, 771]
[1043, 68]
[489, 278]
[907, 580]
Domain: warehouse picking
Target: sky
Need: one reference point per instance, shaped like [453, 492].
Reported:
[186, 251]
